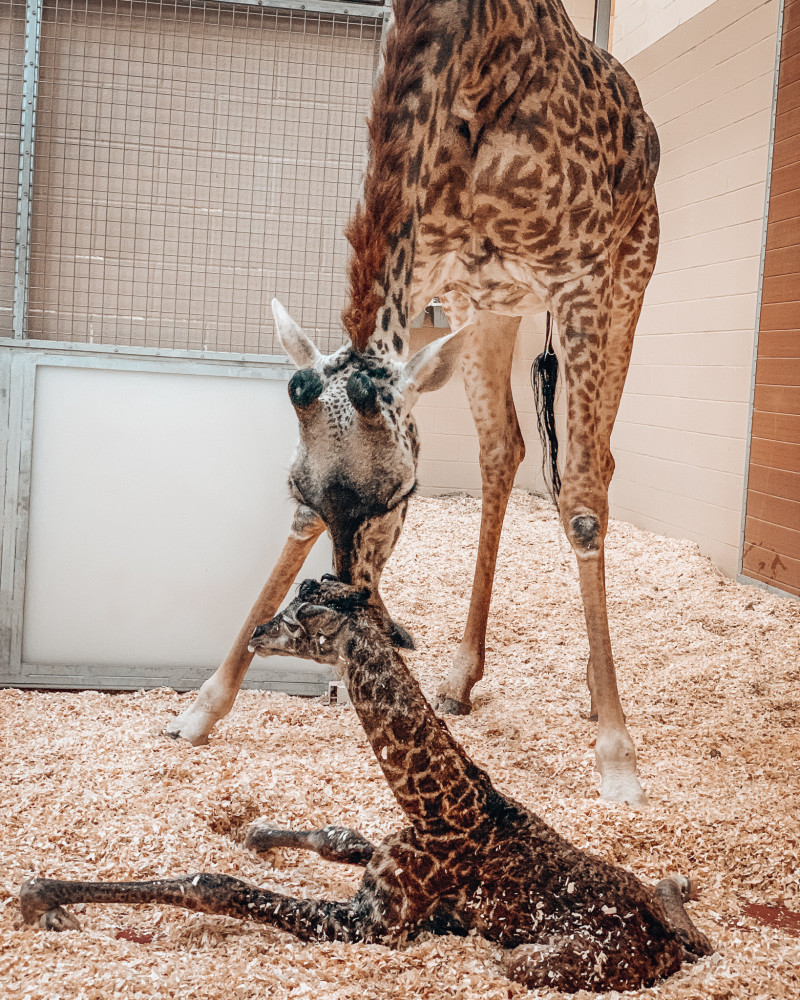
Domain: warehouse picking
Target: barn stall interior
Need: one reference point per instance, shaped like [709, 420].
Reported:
[185, 162]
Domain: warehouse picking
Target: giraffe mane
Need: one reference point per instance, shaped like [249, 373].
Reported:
[385, 204]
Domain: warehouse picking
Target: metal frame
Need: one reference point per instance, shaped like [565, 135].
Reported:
[30, 88]
[741, 576]
[601, 32]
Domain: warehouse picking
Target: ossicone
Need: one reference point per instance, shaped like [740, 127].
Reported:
[305, 386]
[362, 394]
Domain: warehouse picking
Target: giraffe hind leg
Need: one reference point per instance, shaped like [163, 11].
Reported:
[333, 843]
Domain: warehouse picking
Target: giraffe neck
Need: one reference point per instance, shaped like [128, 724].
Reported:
[436, 785]
[409, 108]
[390, 297]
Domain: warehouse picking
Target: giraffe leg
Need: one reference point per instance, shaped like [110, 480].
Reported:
[566, 964]
[333, 843]
[673, 893]
[596, 353]
[216, 696]
[486, 365]
[42, 901]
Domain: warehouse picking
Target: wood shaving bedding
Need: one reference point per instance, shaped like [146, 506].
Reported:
[708, 671]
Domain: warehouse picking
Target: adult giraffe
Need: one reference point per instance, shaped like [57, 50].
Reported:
[511, 170]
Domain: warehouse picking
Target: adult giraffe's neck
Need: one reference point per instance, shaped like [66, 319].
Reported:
[407, 114]
[436, 785]
[377, 315]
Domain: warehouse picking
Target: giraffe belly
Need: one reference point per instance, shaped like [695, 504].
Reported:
[501, 286]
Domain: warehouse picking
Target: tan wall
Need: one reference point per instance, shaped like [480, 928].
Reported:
[680, 439]
[638, 24]
[582, 14]
[449, 455]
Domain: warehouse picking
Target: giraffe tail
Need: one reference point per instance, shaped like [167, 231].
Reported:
[544, 382]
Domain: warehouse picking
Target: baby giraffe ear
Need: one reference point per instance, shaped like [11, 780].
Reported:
[433, 365]
[300, 348]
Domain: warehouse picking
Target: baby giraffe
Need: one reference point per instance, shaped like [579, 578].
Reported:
[471, 858]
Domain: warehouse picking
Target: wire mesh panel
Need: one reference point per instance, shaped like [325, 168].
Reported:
[193, 160]
[12, 54]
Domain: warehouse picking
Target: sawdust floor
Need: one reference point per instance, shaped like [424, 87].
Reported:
[709, 675]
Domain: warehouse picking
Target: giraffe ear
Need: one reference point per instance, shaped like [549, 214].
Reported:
[433, 365]
[300, 348]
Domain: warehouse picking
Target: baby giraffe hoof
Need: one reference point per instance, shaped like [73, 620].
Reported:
[401, 637]
[449, 706]
[59, 919]
[263, 838]
[687, 887]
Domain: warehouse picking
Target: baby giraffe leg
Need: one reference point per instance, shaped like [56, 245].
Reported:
[567, 964]
[673, 893]
[42, 899]
[333, 843]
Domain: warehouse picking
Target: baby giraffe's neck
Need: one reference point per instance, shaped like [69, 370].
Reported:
[435, 783]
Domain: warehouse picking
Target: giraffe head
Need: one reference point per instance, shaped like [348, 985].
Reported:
[314, 625]
[356, 462]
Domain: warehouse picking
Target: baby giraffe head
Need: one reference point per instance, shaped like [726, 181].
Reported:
[318, 622]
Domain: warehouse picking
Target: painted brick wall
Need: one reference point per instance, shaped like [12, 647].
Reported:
[681, 434]
[637, 24]
[449, 455]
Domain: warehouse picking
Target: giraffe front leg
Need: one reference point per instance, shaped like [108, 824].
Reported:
[486, 365]
[333, 843]
[43, 900]
[563, 963]
[216, 696]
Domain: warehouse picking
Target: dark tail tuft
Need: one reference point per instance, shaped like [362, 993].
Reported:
[544, 381]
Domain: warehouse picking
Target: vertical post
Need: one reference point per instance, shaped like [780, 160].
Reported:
[602, 23]
[388, 21]
[30, 87]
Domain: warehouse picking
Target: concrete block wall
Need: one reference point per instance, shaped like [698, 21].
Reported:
[449, 455]
[680, 439]
[637, 24]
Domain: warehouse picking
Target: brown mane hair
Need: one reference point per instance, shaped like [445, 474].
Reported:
[386, 203]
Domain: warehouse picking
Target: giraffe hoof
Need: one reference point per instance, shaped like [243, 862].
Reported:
[624, 788]
[449, 706]
[190, 726]
[263, 838]
[687, 887]
[58, 919]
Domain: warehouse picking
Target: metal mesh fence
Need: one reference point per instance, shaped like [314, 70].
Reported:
[12, 52]
[192, 160]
